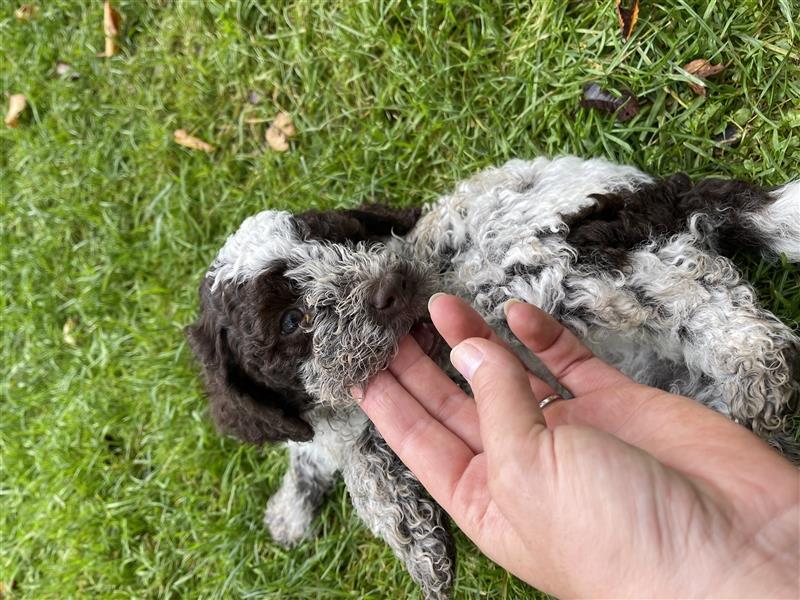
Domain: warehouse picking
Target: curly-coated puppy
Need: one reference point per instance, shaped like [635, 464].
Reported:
[298, 309]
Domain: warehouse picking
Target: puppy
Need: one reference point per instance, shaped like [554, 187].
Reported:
[296, 310]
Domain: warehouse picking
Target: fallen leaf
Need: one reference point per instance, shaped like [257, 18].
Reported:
[183, 138]
[110, 20]
[66, 333]
[702, 69]
[626, 105]
[284, 122]
[277, 139]
[65, 71]
[627, 18]
[26, 12]
[16, 104]
[730, 137]
[698, 88]
[280, 131]
[110, 28]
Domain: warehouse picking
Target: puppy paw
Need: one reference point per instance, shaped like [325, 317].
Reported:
[287, 520]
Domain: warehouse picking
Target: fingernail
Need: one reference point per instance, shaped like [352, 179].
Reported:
[357, 393]
[466, 358]
[508, 304]
[432, 298]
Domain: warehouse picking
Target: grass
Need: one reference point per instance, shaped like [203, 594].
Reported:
[112, 482]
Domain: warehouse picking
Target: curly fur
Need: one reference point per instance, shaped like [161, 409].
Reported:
[349, 345]
[393, 504]
[634, 265]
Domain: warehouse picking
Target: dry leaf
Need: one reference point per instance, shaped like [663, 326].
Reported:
[110, 28]
[26, 12]
[627, 18]
[66, 333]
[702, 69]
[16, 104]
[8, 588]
[626, 105]
[110, 20]
[111, 47]
[698, 88]
[183, 138]
[277, 139]
[280, 131]
[284, 122]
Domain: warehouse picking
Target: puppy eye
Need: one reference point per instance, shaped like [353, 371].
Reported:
[291, 320]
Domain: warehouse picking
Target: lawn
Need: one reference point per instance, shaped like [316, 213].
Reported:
[113, 483]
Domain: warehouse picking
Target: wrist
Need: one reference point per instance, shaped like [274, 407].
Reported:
[768, 563]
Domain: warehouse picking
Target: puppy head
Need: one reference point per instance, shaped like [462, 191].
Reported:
[298, 309]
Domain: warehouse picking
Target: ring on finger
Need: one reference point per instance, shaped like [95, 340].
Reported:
[549, 400]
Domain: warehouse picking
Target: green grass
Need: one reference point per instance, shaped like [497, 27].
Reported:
[112, 482]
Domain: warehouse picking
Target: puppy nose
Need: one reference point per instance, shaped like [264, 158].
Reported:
[390, 293]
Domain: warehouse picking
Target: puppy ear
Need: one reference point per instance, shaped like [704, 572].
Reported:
[240, 405]
[368, 222]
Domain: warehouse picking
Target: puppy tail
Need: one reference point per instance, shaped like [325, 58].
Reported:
[778, 223]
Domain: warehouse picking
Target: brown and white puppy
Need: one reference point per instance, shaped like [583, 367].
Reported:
[298, 309]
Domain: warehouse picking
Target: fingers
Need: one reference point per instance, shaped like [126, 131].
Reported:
[676, 430]
[621, 411]
[456, 321]
[570, 362]
[507, 409]
[436, 455]
[436, 392]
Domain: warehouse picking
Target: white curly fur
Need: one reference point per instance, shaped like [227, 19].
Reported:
[780, 222]
[679, 317]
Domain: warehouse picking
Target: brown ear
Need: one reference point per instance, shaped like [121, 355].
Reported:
[368, 222]
[240, 405]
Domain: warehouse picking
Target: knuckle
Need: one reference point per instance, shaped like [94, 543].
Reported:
[574, 361]
[484, 382]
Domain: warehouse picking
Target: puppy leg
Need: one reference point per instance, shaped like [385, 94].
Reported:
[395, 507]
[691, 313]
[744, 361]
[309, 478]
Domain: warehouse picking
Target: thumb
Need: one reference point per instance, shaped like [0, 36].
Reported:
[507, 410]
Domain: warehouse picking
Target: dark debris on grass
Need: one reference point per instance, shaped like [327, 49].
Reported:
[113, 482]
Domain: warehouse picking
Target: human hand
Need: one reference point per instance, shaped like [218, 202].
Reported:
[624, 490]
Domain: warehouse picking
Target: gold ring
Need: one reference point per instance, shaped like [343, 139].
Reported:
[549, 400]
